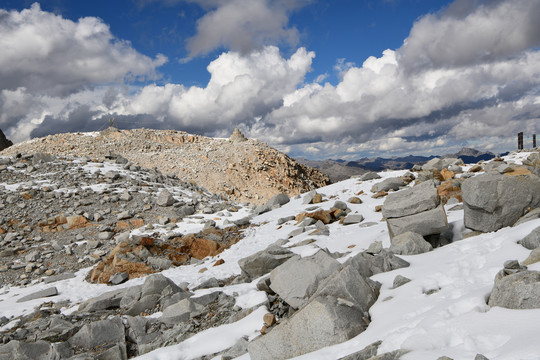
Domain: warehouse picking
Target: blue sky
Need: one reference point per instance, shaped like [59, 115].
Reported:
[317, 79]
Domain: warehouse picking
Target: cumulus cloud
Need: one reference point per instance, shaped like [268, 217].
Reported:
[45, 52]
[244, 25]
[241, 89]
[489, 32]
[434, 94]
[458, 77]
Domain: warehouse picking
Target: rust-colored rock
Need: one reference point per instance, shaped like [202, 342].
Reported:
[325, 216]
[114, 263]
[449, 190]
[201, 248]
[447, 174]
[518, 170]
[355, 200]
[219, 262]
[76, 222]
[269, 319]
[380, 194]
[317, 199]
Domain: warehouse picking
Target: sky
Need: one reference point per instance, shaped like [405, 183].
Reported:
[316, 79]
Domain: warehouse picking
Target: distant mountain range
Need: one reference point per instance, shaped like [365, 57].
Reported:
[342, 169]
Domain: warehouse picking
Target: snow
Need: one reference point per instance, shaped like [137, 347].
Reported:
[453, 320]
[212, 340]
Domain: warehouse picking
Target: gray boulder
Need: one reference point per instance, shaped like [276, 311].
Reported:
[336, 313]
[411, 201]
[409, 243]
[425, 223]
[369, 176]
[518, 290]
[165, 198]
[531, 241]
[415, 209]
[157, 283]
[531, 215]
[180, 312]
[492, 201]
[298, 278]
[369, 264]
[353, 219]
[388, 184]
[264, 261]
[399, 281]
[434, 164]
[18, 350]
[103, 334]
[274, 203]
[106, 301]
[39, 294]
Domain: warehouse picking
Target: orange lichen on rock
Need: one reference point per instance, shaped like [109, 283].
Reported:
[449, 189]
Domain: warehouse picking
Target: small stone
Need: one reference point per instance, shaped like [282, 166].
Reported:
[269, 319]
[400, 280]
[354, 200]
[119, 278]
[165, 198]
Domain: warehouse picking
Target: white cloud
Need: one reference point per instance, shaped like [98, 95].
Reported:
[419, 98]
[452, 97]
[241, 87]
[489, 32]
[244, 25]
[45, 52]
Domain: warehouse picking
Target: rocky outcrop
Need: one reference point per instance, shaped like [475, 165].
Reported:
[516, 288]
[335, 313]
[4, 142]
[264, 261]
[415, 209]
[245, 170]
[493, 200]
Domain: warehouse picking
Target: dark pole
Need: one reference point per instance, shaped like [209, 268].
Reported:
[520, 141]
[534, 141]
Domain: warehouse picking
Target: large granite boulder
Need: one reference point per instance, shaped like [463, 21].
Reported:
[516, 290]
[298, 278]
[393, 183]
[415, 209]
[531, 241]
[492, 201]
[264, 261]
[409, 243]
[337, 312]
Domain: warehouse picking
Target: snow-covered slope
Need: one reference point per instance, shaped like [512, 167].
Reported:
[441, 312]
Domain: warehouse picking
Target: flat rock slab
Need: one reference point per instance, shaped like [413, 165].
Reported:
[425, 223]
[39, 294]
[411, 201]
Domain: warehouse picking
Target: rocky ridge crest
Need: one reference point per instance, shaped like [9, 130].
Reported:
[243, 170]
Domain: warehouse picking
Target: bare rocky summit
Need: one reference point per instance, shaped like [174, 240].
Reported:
[243, 170]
